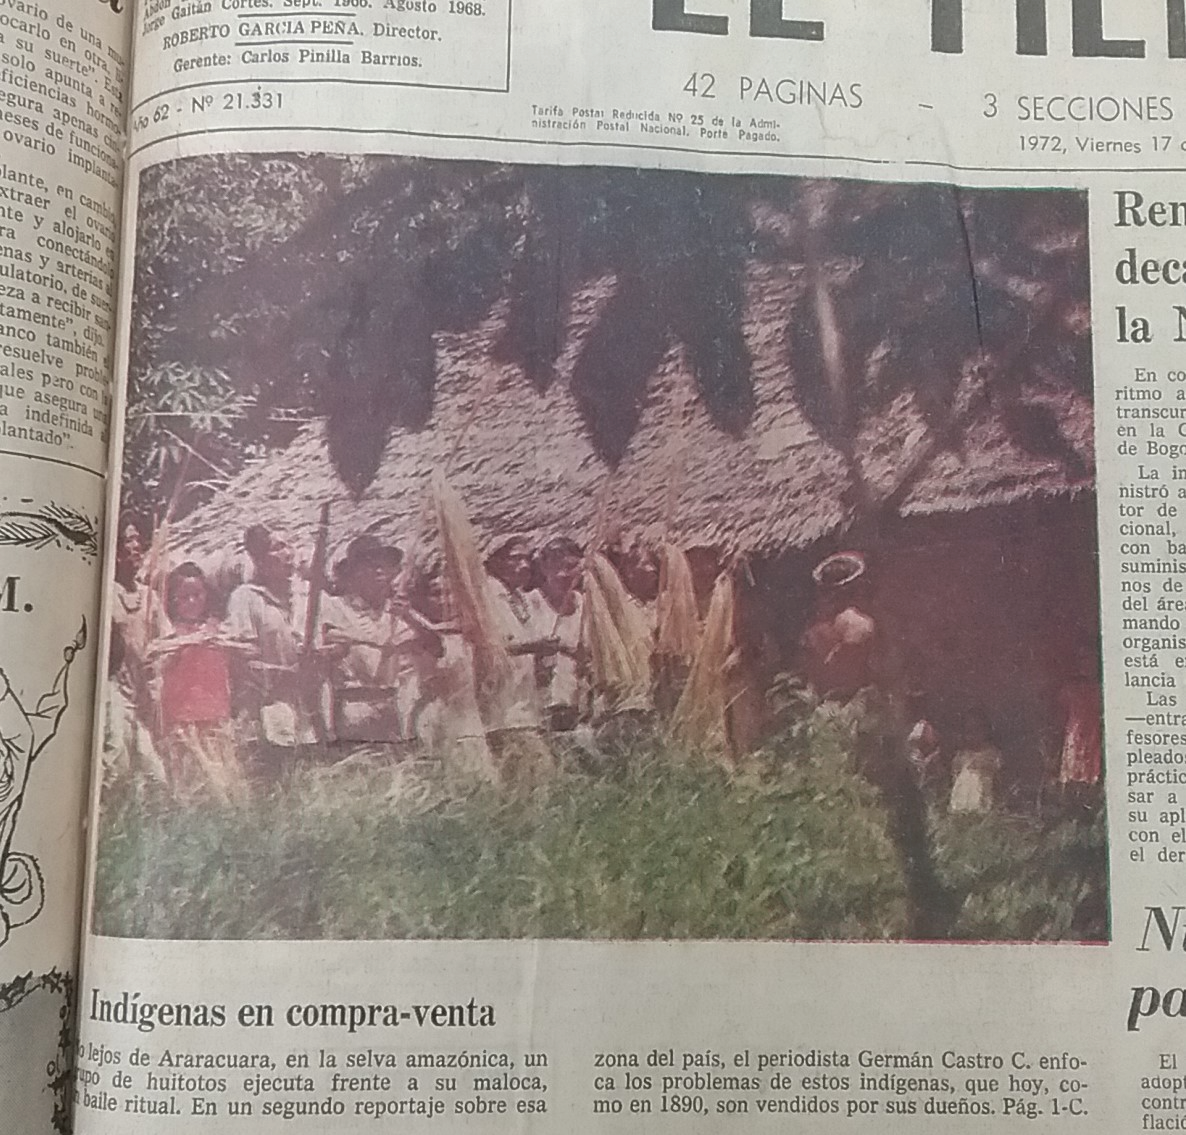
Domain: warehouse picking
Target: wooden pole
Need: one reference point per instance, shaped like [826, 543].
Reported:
[312, 613]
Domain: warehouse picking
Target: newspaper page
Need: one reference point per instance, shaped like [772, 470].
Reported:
[63, 75]
[643, 507]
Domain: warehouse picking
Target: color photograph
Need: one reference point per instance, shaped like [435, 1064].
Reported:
[513, 551]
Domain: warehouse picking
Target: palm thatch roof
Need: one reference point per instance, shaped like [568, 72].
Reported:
[521, 458]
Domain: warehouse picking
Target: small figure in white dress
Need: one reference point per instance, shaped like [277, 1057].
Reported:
[975, 767]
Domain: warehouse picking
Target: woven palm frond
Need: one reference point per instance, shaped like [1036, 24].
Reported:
[619, 637]
[466, 586]
[699, 717]
[679, 619]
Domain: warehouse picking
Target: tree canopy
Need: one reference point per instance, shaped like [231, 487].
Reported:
[285, 286]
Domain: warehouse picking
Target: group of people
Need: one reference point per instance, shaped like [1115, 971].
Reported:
[854, 669]
[966, 775]
[222, 670]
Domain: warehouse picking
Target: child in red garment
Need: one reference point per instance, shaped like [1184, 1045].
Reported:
[1081, 759]
[195, 691]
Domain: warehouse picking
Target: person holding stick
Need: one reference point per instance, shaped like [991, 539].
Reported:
[260, 617]
[559, 673]
[512, 709]
[374, 638]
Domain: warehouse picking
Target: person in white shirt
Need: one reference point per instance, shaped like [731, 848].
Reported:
[513, 713]
[446, 719]
[559, 674]
[375, 641]
[260, 615]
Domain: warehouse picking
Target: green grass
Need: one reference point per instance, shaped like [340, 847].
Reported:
[1026, 878]
[793, 845]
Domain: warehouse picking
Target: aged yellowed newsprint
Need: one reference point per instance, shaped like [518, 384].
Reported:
[642, 564]
[63, 85]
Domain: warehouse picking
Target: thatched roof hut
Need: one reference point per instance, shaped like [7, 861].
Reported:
[523, 459]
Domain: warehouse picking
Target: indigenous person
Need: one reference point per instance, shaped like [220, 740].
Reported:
[851, 667]
[195, 690]
[512, 711]
[446, 719]
[1081, 701]
[923, 749]
[118, 716]
[559, 674]
[638, 569]
[752, 665]
[520, 617]
[373, 642]
[227, 570]
[131, 614]
[128, 741]
[625, 582]
[843, 660]
[129, 561]
[975, 768]
[840, 641]
[260, 616]
[128, 745]
[677, 628]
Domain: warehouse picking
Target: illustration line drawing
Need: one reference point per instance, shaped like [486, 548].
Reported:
[23, 737]
[50, 525]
